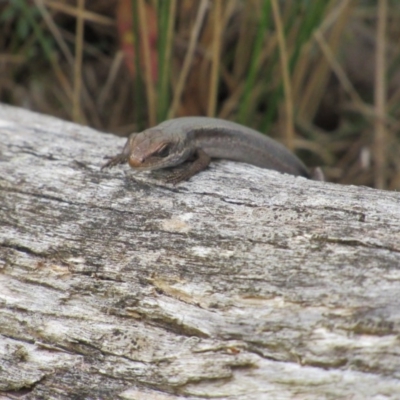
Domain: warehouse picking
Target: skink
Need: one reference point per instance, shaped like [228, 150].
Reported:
[198, 139]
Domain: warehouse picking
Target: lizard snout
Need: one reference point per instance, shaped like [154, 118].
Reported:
[135, 162]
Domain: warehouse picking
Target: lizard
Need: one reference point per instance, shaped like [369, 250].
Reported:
[197, 140]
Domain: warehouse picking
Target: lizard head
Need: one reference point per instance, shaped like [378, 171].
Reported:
[154, 149]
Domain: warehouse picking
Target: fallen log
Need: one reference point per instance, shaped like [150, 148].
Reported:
[242, 283]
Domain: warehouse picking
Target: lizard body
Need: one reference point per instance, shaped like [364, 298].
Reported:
[199, 139]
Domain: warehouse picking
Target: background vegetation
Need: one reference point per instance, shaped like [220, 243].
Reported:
[319, 75]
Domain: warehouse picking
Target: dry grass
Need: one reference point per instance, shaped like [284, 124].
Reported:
[322, 79]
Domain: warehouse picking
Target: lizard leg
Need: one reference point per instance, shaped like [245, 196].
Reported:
[121, 158]
[201, 162]
[118, 159]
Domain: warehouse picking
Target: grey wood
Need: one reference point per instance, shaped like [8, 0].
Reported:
[242, 283]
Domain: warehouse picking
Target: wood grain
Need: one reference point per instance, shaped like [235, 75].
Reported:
[242, 283]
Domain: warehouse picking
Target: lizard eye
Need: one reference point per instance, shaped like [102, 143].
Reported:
[164, 151]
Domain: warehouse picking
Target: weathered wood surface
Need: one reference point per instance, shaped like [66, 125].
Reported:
[240, 284]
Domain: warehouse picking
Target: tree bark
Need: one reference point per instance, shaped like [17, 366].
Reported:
[242, 283]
